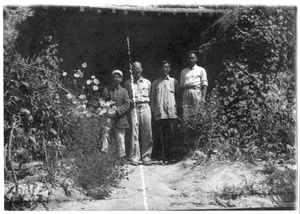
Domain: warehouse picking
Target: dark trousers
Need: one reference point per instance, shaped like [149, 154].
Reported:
[166, 139]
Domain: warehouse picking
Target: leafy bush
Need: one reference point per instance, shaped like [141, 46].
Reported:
[257, 113]
[283, 187]
[94, 170]
[202, 124]
[250, 112]
[51, 114]
[230, 192]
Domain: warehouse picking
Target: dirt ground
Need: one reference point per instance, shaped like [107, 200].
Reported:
[178, 187]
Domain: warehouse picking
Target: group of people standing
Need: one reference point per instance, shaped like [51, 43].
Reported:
[140, 101]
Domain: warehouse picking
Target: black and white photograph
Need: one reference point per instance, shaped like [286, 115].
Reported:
[163, 105]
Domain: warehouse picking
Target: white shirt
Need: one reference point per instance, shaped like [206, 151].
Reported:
[193, 77]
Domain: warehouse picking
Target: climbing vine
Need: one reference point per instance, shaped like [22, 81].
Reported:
[252, 49]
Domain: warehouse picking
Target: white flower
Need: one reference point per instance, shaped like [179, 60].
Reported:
[95, 88]
[80, 73]
[76, 75]
[111, 111]
[84, 65]
[96, 81]
[93, 77]
[84, 106]
[74, 101]
[101, 102]
[109, 103]
[64, 74]
[82, 96]
[107, 128]
[108, 120]
[88, 82]
[101, 111]
[69, 96]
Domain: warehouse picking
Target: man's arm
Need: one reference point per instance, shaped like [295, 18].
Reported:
[129, 90]
[177, 92]
[204, 84]
[204, 89]
[178, 97]
[153, 95]
[125, 104]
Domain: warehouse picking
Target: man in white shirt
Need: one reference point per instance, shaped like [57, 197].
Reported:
[141, 143]
[193, 81]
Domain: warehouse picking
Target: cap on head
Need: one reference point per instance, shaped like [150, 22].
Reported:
[117, 72]
[164, 62]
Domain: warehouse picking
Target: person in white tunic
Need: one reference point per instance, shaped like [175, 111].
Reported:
[193, 82]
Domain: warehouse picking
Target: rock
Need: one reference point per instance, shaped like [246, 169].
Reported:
[230, 203]
[220, 202]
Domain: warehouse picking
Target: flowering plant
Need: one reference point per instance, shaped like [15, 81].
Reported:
[86, 106]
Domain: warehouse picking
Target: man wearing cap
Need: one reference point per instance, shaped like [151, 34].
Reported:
[140, 117]
[193, 81]
[120, 95]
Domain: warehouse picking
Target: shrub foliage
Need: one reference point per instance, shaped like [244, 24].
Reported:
[50, 115]
[250, 112]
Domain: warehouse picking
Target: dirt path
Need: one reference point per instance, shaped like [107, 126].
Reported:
[171, 187]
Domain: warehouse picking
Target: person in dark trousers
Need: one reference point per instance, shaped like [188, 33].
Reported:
[120, 95]
[164, 103]
[141, 143]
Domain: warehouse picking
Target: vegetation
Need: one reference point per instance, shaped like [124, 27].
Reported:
[250, 113]
[57, 116]
[52, 116]
[251, 110]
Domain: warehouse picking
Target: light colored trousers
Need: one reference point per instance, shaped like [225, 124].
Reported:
[191, 97]
[191, 100]
[141, 143]
[120, 140]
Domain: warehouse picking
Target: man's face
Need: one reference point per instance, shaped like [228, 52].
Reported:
[165, 69]
[192, 59]
[117, 79]
[137, 69]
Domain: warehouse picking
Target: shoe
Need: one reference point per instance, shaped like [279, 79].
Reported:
[134, 163]
[149, 162]
[173, 160]
[161, 162]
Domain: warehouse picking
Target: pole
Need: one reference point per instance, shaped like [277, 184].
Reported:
[131, 76]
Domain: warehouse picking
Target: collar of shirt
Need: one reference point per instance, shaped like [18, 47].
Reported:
[112, 88]
[140, 80]
[164, 78]
[193, 68]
